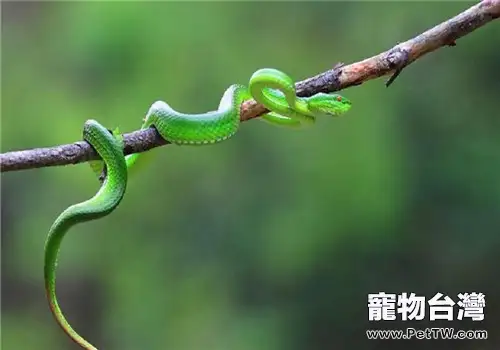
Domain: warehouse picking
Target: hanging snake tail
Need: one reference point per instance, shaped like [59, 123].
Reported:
[103, 203]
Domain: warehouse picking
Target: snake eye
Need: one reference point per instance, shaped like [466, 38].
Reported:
[339, 98]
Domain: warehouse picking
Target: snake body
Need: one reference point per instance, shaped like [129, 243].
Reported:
[270, 87]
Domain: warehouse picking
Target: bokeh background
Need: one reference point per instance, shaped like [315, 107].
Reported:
[273, 239]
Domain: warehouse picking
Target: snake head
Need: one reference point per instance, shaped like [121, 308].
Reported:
[329, 104]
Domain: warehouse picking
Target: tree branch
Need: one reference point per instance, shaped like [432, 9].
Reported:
[340, 77]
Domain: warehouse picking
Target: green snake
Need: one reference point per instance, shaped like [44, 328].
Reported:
[272, 88]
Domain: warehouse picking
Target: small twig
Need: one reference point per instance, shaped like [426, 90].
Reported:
[340, 77]
[403, 62]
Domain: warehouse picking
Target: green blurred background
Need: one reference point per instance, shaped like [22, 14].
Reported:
[273, 239]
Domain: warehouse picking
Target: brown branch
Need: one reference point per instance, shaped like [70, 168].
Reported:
[340, 77]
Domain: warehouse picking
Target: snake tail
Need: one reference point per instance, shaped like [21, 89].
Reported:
[103, 203]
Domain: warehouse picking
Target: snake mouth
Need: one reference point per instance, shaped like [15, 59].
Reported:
[345, 106]
[341, 109]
